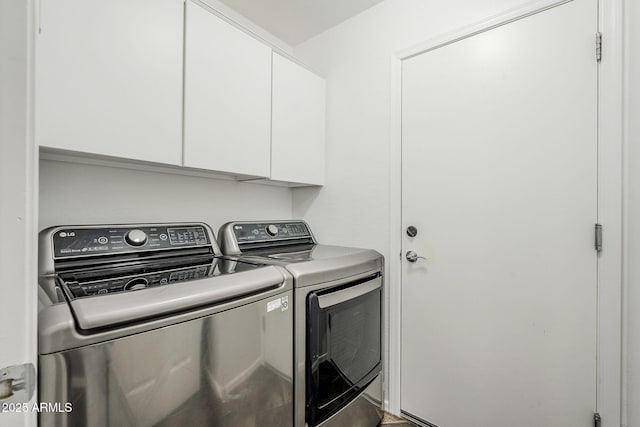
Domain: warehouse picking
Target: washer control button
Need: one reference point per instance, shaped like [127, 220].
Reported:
[103, 240]
[136, 237]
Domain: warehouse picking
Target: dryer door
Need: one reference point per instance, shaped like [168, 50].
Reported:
[343, 345]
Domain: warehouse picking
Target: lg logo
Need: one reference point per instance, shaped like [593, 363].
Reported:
[67, 234]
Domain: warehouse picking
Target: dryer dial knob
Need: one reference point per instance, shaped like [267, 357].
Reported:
[136, 237]
[272, 230]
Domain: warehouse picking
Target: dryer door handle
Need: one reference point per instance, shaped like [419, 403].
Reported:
[343, 295]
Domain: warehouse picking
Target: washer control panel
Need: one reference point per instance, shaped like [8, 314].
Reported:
[79, 242]
[267, 231]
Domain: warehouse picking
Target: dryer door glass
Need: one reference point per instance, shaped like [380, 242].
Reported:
[343, 345]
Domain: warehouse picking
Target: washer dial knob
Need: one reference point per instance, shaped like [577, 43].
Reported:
[136, 237]
[272, 230]
[136, 284]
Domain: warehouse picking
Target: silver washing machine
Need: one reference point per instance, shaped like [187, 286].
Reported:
[338, 319]
[145, 325]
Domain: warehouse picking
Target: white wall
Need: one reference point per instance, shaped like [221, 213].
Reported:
[75, 194]
[17, 195]
[632, 235]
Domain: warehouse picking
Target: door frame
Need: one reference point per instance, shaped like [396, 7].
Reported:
[609, 210]
[19, 217]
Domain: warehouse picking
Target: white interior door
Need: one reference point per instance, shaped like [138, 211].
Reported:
[499, 168]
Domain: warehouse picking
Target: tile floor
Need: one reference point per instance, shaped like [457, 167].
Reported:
[393, 421]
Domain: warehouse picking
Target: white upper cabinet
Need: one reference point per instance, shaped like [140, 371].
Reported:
[109, 78]
[171, 82]
[227, 117]
[298, 124]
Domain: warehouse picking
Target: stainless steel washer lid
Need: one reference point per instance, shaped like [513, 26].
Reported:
[112, 310]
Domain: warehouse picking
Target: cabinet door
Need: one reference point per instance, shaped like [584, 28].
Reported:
[298, 126]
[227, 97]
[109, 78]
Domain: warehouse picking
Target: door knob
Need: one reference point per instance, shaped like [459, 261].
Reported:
[6, 388]
[17, 383]
[413, 257]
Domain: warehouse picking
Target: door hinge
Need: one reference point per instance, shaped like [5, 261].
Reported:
[598, 46]
[597, 420]
[598, 237]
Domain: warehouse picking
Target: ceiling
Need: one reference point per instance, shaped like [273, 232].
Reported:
[294, 21]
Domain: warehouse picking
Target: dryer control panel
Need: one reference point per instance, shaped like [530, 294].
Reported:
[239, 237]
[270, 231]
